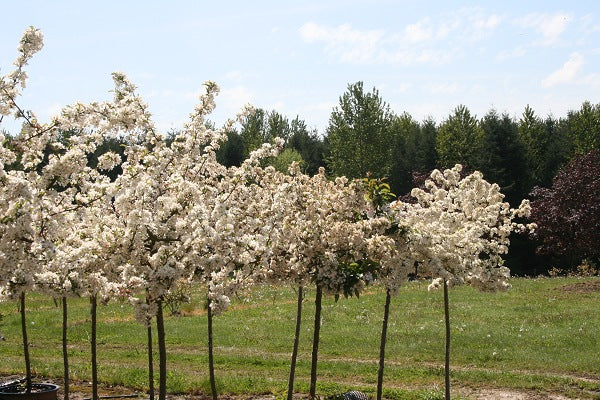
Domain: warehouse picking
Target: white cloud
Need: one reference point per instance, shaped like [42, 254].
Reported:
[488, 23]
[343, 41]
[550, 26]
[566, 73]
[480, 26]
[425, 41]
[350, 45]
[419, 31]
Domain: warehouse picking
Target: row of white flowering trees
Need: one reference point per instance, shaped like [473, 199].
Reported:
[174, 213]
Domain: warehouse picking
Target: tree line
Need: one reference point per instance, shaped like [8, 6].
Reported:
[365, 137]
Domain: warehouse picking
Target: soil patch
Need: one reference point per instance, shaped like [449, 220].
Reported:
[581, 287]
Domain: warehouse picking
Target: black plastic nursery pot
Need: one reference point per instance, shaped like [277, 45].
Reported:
[39, 391]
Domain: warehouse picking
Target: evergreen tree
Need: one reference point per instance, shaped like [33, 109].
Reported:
[546, 147]
[307, 142]
[459, 140]
[231, 152]
[426, 157]
[359, 134]
[254, 132]
[406, 135]
[503, 157]
[584, 128]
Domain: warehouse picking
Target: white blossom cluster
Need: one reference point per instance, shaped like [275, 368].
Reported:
[459, 229]
[175, 213]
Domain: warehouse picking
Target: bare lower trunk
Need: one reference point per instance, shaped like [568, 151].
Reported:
[296, 342]
[315, 349]
[64, 348]
[93, 305]
[162, 352]
[150, 358]
[211, 362]
[25, 344]
[386, 313]
[447, 363]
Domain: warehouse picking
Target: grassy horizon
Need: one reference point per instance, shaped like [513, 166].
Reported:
[541, 335]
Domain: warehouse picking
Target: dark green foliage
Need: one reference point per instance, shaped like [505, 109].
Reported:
[359, 134]
[503, 156]
[406, 133]
[308, 143]
[546, 147]
[584, 128]
[426, 151]
[231, 152]
[254, 132]
[262, 127]
[459, 140]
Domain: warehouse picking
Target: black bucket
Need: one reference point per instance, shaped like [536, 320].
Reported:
[39, 391]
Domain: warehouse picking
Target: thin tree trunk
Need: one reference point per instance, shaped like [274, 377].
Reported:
[296, 342]
[64, 348]
[150, 358]
[211, 363]
[315, 349]
[162, 352]
[25, 344]
[447, 364]
[386, 313]
[93, 306]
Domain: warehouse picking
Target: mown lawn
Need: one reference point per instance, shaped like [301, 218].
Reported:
[541, 335]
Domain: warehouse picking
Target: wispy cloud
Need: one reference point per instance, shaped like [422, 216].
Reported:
[351, 45]
[346, 44]
[549, 26]
[419, 31]
[421, 42]
[567, 73]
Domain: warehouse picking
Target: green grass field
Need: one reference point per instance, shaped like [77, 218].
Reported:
[542, 335]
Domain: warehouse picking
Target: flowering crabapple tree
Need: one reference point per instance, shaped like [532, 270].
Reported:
[458, 230]
[39, 194]
[230, 234]
[322, 241]
[389, 251]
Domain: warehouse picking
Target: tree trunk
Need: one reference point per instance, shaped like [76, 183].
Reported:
[296, 342]
[315, 349]
[150, 358]
[447, 363]
[93, 305]
[162, 352]
[25, 344]
[211, 363]
[386, 313]
[64, 348]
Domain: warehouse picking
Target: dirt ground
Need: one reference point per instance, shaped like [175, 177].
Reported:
[82, 391]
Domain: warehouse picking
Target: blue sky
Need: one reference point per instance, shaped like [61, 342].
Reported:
[297, 57]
